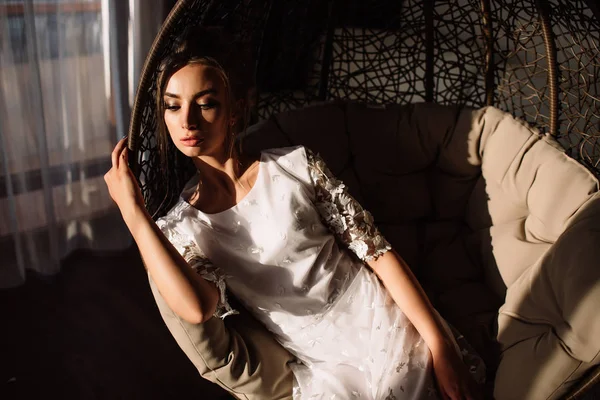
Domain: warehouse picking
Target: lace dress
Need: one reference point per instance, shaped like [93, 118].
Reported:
[283, 252]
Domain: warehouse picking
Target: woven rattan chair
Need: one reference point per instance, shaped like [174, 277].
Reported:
[538, 60]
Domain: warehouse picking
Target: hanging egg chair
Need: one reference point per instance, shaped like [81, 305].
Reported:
[416, 64]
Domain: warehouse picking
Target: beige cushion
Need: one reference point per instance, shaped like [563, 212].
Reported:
[533, 190]
[238, 354]
[550, 325]
[417, 178]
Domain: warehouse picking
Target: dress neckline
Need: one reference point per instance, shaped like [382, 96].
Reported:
[245, 199]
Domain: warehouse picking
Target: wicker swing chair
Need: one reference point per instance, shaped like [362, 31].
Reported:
[537, 60]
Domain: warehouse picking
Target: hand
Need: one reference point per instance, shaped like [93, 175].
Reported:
[122, 185]
[454, 380]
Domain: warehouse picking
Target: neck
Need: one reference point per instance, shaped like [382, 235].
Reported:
[220, 167]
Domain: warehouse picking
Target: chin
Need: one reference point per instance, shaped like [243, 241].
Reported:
[203, 149]
[191, 151]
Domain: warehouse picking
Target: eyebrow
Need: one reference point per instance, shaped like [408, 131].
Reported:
[201, 93]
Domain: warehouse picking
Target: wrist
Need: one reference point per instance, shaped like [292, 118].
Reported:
[440, 346]
[133, 216]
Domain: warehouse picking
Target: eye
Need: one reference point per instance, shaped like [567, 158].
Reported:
[208, 105]
[171, 107]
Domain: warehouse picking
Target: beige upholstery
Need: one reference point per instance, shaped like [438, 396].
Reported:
[550, 317]
[238, 354]
[488, 213]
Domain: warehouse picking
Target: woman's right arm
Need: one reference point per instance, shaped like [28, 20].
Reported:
[189, 295]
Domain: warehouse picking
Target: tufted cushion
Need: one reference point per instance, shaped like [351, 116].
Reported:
[411, 171]
[549, 325]
[532, 190]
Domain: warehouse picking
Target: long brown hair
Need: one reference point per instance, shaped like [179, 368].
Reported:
[213, 47]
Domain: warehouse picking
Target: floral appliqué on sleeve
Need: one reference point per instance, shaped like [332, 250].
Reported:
[344, 216]
[199, 263]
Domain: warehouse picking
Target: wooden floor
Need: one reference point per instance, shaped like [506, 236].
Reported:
[92, 332]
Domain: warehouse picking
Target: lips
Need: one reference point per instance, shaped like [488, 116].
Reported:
[191, 141]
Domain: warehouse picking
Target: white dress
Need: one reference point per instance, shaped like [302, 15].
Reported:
[283, 252]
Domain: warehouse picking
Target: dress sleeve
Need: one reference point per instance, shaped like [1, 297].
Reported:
[342, 214]
[194, 256]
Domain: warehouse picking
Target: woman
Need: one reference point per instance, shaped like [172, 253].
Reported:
[283, 235]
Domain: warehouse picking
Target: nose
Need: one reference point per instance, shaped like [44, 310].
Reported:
[190, 118]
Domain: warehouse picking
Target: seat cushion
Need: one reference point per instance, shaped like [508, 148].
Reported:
[528, 192]
[549, 326]
[238, 354]
[474, 200]
[403, 165]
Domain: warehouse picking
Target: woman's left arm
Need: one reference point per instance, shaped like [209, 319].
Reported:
[412, 300]
[453, 378]
[355, 227]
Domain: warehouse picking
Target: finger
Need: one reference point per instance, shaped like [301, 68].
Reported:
[117, 152]
[123, 158]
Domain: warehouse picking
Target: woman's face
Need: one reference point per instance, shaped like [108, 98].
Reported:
[196, 113]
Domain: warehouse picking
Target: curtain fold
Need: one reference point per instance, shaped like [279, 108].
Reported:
[58, 126]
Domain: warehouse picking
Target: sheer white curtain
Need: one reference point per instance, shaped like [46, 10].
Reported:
[64, 91]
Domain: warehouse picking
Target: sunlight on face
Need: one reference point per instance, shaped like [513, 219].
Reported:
[196, 113]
